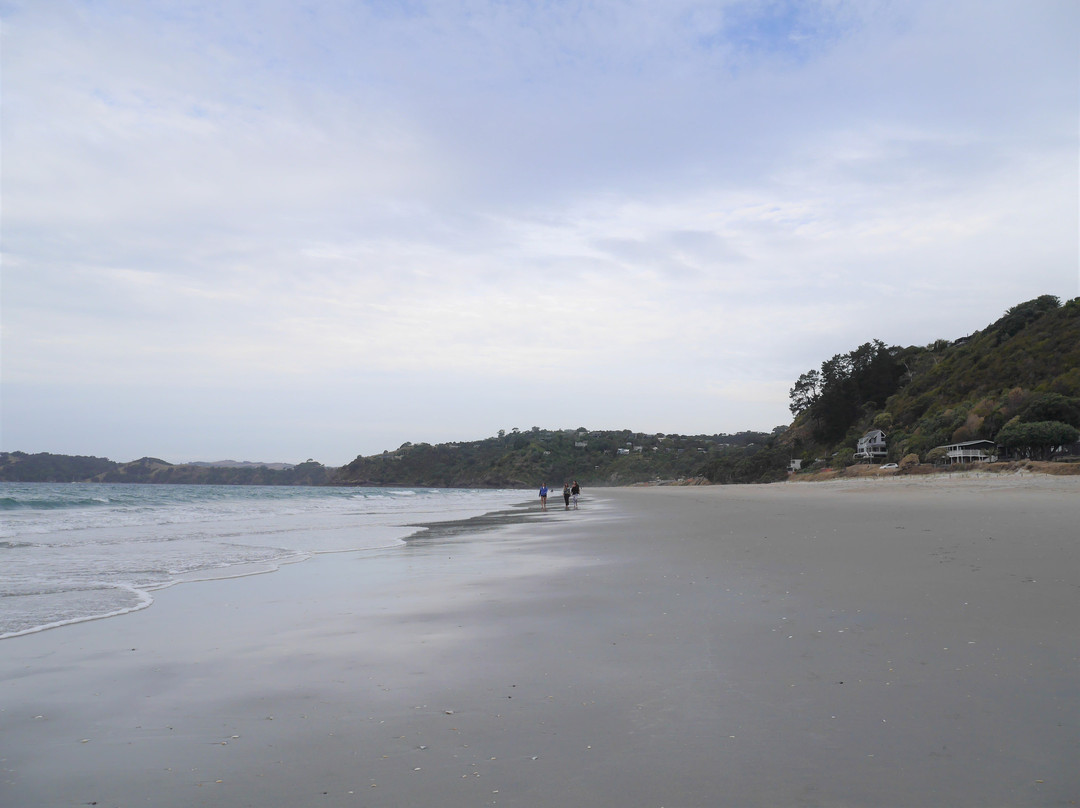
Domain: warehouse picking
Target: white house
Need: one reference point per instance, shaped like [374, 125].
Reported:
[971, 451]
[871, 445]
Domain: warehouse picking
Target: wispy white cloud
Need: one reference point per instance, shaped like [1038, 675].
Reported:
[631, 214]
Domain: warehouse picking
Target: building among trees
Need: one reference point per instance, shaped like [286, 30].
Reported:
[970, 451]
[871, 445]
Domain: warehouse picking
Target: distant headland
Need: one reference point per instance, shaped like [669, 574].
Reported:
[1008, 392]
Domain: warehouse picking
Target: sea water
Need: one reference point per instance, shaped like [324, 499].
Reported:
[71, 552]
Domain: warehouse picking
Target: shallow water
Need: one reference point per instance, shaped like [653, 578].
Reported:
[76, 551]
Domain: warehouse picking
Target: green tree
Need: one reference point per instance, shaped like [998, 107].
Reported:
[882, 421]
[1051, 407]
[1036, 440]
[848, 387]
[805, 392]
[843, 458]
[937, 455]
[1022, 315]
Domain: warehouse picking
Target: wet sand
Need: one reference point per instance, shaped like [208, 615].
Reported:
[864, 643]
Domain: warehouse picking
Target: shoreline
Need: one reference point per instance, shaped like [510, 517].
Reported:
[850, 644]
[100, 531]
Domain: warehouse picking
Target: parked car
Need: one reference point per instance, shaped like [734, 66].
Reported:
[890, 466]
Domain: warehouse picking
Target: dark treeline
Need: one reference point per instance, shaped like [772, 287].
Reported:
[527, 458]
[508, 460]
[847, 386]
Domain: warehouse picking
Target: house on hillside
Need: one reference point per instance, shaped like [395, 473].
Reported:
[970, 451]
[871, 445]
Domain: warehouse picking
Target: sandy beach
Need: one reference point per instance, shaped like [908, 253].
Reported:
[901, 642]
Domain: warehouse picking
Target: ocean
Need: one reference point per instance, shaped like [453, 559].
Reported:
[71, 552]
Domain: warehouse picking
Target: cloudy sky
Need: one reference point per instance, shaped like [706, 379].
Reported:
[273, 230]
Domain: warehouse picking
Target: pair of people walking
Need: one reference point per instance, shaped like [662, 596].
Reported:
[569, 491]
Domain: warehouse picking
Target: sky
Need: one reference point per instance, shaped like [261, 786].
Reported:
[275, 231]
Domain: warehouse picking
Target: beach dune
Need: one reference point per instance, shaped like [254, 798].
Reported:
[862, 643]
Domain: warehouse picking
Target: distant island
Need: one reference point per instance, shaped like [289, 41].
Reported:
[1012, 389]
[241, 464]
[55, 468]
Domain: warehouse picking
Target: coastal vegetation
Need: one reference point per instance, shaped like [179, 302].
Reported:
[508, 460]
[1015, 383]
[607, 457]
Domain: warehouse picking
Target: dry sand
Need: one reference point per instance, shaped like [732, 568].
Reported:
[857, 643]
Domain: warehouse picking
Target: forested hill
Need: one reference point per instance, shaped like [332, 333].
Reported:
[526, 459]
[44, 467]
[1022, 370]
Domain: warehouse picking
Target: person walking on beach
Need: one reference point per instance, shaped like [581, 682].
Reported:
[566, 495]
[543, 496]
[575, 491]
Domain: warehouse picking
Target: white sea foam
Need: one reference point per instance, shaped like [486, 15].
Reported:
[75, 552]
[24, 616]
